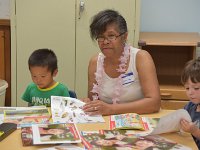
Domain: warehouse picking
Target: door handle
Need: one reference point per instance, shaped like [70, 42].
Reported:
[81, 8]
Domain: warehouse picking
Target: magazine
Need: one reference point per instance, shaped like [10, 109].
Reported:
[121, 140]
[28, 121]
[128, 121]
[150, 126]
[68, 110]
[2, 112]
[170, 122]
[50, 134]
[27, 136]
[26, 112]
[26, 116]
[2, 109]
[64, 147]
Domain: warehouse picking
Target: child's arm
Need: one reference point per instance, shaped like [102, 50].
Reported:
[190, 127]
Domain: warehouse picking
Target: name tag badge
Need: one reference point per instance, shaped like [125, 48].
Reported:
[128, 78]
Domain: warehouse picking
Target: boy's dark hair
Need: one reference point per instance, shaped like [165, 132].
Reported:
[43, 58]
[104, 18]
[191, 71]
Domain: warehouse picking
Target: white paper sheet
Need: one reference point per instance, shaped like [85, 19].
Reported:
[68, 110]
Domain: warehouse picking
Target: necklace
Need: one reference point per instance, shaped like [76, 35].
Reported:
[99, 75]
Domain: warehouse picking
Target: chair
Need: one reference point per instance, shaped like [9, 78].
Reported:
[72, 94]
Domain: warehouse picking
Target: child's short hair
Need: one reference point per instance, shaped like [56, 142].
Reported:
[191, 71]
[44, 58]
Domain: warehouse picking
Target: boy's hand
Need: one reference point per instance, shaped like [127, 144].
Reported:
[188, 126]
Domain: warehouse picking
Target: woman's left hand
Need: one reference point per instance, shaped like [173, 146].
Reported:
[97, 107]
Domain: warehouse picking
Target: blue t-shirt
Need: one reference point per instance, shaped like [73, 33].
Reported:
[191, 108]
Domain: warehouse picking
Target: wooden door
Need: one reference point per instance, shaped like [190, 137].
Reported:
[2, 56]
[42, 24]
[5, 57]
[85, 47]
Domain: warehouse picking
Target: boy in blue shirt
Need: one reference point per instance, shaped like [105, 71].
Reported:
[43, 68]
[191, 81]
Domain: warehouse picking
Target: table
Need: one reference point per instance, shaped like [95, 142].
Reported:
[13, 141]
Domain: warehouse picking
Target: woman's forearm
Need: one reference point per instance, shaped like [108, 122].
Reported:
[142, 106]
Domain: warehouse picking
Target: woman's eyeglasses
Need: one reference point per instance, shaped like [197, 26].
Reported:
[109, 38]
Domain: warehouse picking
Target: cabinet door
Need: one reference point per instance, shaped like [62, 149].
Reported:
[85, 47]
[42, 24]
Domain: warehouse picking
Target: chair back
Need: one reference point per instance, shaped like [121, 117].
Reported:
[72, 94]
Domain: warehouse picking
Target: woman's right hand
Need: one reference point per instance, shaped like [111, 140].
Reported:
[97, 107]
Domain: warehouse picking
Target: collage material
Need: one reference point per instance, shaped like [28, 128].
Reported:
[149, 126]
[128, 121]
[171, 122]
[68, 110]
[25, 116]
[121, 140]
[64, 147]
[50, 134]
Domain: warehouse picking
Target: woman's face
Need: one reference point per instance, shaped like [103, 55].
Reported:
[112, 47]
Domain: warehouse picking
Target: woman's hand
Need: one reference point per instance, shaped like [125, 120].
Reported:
[188, 126]
[85, 100]
[97, 107]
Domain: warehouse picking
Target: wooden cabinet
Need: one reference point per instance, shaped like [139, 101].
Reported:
[5, 57]
[64, 27]
[170, 52]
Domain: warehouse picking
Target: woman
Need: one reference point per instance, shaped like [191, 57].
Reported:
[121, 79]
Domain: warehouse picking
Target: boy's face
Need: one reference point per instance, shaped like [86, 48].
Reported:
[42, 77]
[193, 91]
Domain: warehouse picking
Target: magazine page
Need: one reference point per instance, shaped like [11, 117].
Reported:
[26, 116]
[55, 133]
[26, 112]
[28, 121]
[145, 125]
[108, 139]
[68, 110]
[128, 121]
[150, 124]
[27, 136]
[64, 147]
[121, 140]
[171, 122]
[7, 108]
